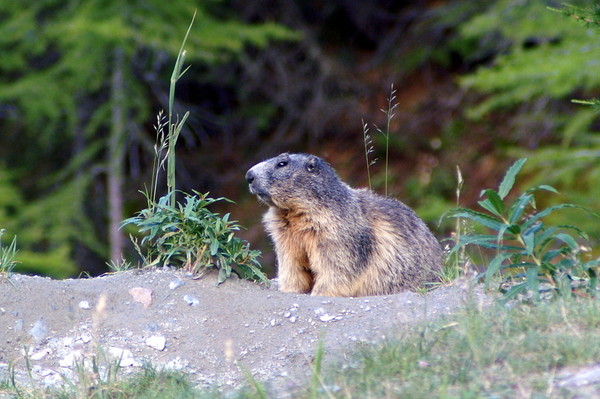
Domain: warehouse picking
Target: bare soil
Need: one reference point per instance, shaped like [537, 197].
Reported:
[213, 333]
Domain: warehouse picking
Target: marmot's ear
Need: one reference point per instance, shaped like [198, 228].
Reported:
[312, 164]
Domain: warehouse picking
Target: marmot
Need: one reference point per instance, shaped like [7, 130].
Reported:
[333, 240]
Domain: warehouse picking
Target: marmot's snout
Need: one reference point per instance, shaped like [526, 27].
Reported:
[254, 184]
[250, 177]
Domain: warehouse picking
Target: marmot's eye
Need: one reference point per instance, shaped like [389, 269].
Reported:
[282, 164]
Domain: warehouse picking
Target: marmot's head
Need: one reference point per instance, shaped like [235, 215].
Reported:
[294, 181]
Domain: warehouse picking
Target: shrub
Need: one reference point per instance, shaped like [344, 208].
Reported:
[529, 255]
[189, 235]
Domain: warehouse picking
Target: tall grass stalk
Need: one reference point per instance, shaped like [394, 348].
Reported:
[368, 150]
[174, 124]
[390, 114]
[159, 160]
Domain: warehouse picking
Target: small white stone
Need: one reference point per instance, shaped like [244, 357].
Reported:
[124, 356]
[175, 284]
[70, 359]
[293, 319]
[40, 355]
[85, 338]
[84, 305]
[326, 318]
[157, 342]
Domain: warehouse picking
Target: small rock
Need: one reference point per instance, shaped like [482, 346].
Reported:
[157, 342]
[586, 376]
[327, 318]
[190, 300]
[70, 359]
[53, 380]
[39, 331]
[124, 356]
[40, 355]
[177, 364]
[84, 305]
[85, 338]
[142, 295]
[293, 319]
[175, 284]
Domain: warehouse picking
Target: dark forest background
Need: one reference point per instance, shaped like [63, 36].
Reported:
[478, 84]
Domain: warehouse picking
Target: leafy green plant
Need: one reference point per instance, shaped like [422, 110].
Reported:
[189, 235]
[527, 253]
[7, 255]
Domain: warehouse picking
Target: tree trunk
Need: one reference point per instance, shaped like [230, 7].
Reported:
[116, 155]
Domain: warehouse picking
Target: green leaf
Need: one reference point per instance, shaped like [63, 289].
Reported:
[481, 218]
[519, 206]
[567, 239]
[543, 187]
[495, 266]
[509, 178]
[546, 212]
[224, 273]
[514, 291]
[214, 247]
[493, 203]
[529, 241]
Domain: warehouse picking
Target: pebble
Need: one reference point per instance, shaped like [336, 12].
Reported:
[124, 356]
[142, 295]
[157, 342]
[39, 331]
[190, 300]
[84, 305]
[327, 318]
[175, 284]
[70, 359]
[40, 355]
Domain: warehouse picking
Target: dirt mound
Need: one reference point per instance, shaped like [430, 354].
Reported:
[211, 332]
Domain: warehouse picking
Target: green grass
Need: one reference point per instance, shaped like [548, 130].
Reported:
[495, 353]
[7, 256]
[492, 353]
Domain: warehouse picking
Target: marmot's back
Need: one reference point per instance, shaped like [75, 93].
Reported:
[333, 240]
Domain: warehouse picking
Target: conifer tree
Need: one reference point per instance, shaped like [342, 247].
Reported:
[78, 83]
[545, 58]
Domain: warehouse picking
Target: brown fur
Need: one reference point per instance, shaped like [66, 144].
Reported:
[333, 240]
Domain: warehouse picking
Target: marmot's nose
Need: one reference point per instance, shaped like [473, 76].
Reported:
[249, 177]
